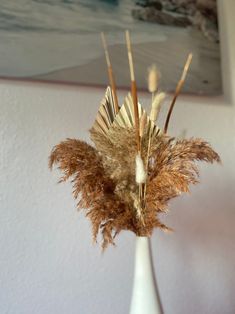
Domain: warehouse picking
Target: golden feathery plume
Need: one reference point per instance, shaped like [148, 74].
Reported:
[108, 198]
[110, 73]
[177, 90]
[133, 89]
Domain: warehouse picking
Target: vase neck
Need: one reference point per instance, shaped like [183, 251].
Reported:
[145, 297]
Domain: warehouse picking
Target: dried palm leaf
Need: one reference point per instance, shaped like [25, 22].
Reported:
[106, 113]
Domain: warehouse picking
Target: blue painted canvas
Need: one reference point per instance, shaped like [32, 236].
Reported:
[59, 41]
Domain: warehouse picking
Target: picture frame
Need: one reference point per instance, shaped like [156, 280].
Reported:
[227, 46]
[161, 63]
[227, 39]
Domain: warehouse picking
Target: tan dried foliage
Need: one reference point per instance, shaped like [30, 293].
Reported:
[104, 177]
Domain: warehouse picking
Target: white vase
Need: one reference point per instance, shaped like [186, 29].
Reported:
[145, 296]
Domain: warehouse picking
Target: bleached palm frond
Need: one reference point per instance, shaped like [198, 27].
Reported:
[106, 113]
[126, 117]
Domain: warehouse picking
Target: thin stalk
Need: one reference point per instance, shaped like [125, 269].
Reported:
[177, 90]
[147, 162]
[148, 153]
[110, 73]
[133, 90]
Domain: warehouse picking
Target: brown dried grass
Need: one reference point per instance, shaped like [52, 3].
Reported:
[103, 178]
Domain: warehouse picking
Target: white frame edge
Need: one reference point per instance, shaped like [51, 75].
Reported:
[226, 16]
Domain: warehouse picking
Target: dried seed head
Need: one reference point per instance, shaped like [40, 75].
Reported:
[156, 106]
[143, 121]
[153, 78]
[140, 174]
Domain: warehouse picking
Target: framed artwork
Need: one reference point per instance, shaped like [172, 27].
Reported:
[59, 41]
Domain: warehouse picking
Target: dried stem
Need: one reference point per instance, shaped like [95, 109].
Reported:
[147, 162]
[177, 90]
[133, 90]
[136, 113]
[110, 73]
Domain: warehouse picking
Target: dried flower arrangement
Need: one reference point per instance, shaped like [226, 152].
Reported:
[135, 168]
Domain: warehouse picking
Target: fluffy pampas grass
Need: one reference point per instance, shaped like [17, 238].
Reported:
[104, 178]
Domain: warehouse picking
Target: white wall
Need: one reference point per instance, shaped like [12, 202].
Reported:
[47, 262]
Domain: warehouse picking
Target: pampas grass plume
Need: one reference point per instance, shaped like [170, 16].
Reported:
[140, 174]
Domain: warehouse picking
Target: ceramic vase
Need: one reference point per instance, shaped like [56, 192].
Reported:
[145, 295]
